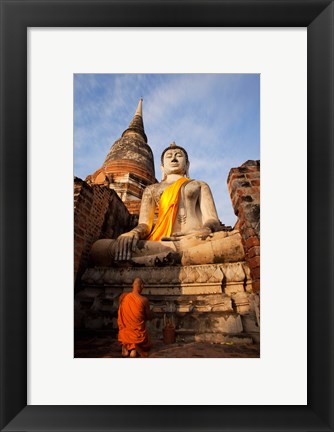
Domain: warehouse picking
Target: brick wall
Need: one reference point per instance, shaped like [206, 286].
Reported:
[133, 206]
[98, 213]
[244, 188]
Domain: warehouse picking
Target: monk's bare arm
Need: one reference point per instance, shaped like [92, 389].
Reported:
[208, 209]
[127, 242]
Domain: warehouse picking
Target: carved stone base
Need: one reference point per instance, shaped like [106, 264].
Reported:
[205, 302]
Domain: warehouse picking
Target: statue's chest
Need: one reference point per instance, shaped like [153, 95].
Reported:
[158, 192]
[188, 194]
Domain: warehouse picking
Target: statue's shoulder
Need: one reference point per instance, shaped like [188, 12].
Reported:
[199, 186]
[199, 183]
[153, 193]
[153, 187]
[152, 190]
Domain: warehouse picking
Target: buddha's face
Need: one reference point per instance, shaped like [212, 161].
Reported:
[174, 162]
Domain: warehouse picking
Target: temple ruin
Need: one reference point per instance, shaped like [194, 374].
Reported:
[215, 302]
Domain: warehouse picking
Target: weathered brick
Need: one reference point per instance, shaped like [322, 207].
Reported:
[78, 241]
[252, 241]
[250, 175]
[247, 233]
[79, 232]
[238, 184]
[237, 176]
[254, 251]
[253, 213]
[256, 285]
[98, 213]
[244, 188]
[255, 273]
[254, 262]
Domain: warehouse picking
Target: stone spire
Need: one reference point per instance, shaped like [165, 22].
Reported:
[137, 124]
[139, 110]
[129, 165]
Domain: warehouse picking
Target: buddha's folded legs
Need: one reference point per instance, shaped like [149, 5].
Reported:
[217, 248]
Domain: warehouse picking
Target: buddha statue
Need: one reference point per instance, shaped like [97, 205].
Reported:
[187, 230]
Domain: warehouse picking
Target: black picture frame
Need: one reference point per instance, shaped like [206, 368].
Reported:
[16, 17]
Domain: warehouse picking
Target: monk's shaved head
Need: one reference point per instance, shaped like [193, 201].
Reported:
[138, 284]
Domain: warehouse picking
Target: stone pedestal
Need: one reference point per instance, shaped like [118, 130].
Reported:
[205, 302]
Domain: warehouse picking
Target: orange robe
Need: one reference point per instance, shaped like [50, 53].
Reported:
[131, 322]
[168, 206]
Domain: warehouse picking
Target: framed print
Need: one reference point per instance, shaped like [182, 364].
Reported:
[178, 309]
[44, 100]
[16, 240]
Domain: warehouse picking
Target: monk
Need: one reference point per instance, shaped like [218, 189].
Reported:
[133, 312]
[187, 230]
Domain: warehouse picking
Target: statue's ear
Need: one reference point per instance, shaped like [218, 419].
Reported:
[187, 169]
[163, 172]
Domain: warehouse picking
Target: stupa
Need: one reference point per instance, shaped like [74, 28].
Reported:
[129, 166]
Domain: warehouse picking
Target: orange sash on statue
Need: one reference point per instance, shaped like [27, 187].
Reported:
[168, 205]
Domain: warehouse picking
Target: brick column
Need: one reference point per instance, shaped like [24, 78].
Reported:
[244, 188]
[98, 213]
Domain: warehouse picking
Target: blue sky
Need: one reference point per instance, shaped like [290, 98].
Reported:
[215, 117]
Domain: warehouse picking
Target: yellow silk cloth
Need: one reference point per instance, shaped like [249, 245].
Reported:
[168, 205]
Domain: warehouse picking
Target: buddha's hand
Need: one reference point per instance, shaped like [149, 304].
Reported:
[125, 245]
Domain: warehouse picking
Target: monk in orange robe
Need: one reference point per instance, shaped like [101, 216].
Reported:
[133, 312]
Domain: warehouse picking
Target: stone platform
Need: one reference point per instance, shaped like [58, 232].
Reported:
[211, 303]
[104, 345]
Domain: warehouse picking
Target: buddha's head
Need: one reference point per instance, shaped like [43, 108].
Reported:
[174, 160]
